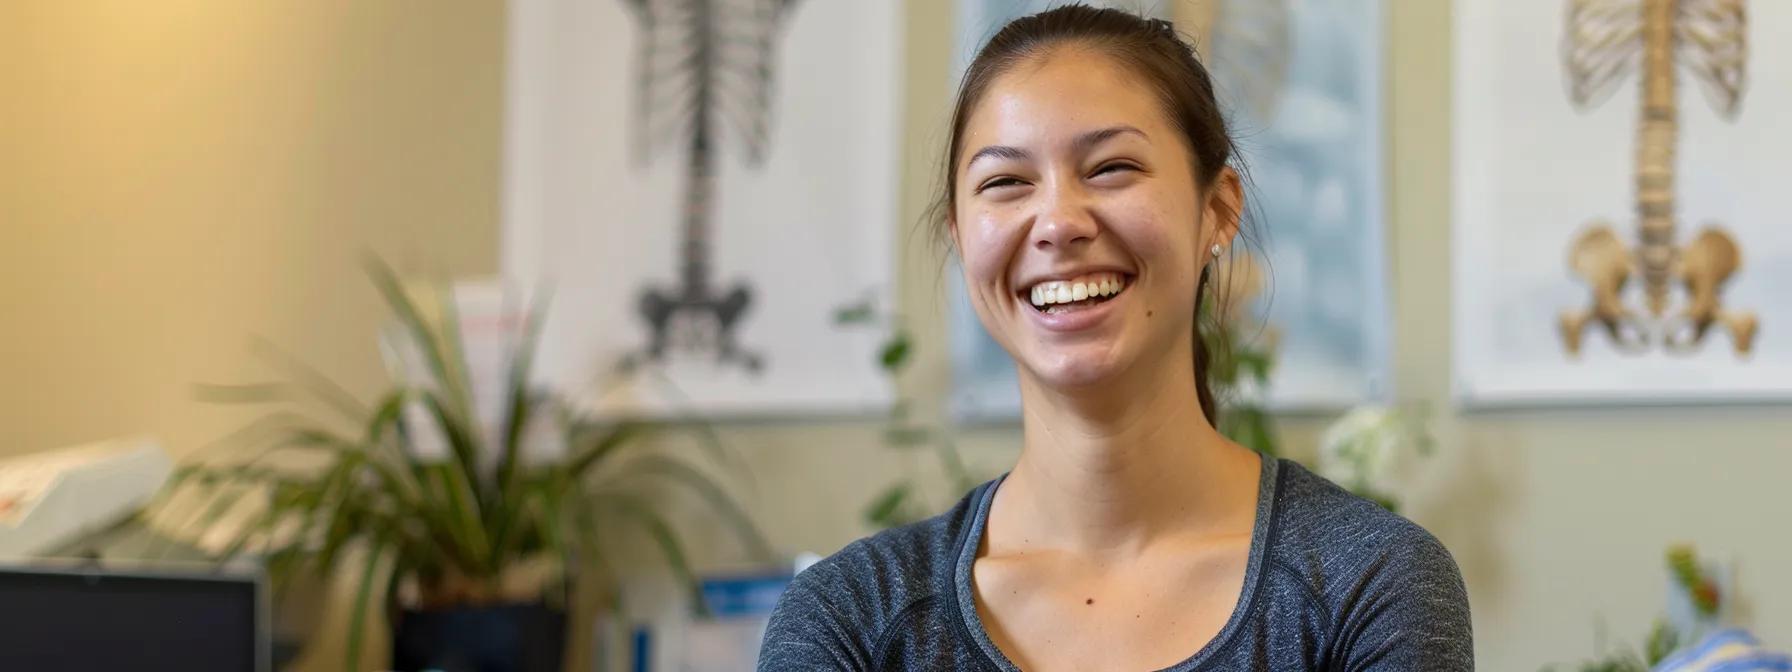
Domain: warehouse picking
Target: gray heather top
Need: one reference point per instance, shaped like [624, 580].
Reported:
[1334, 582]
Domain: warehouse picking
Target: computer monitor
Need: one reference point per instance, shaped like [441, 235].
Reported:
[89, 617]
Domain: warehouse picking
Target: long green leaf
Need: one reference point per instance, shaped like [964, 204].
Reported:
[321, 386]
[353, 518]
[242, 393]
[551, 517]
[358, 618]
[711, 442]
[221, 499]
[954, 462]
[230, 484]
[336, 487]
[262, 429]
[341, 523]
[851, 314]
[592, 555]
[470, 444]
[263, 525]
[454, 352]
[663, 536]
[895, 353]
[907, 436]
[387, 415]
[409, 317]
[460, 444]
[520, 412]
[345, 449]
[713, 495]
[283, 563]
[583, 459]
[387, 421]
[467, 528]
[455, 412]
[402, 482]
[452, 408]
[883, 510]
[708, 438]
[195, 514]
[178, 480]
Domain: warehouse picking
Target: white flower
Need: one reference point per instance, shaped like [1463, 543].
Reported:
[1372, 449]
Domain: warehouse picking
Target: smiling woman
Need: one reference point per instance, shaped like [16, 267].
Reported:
[1087, 192]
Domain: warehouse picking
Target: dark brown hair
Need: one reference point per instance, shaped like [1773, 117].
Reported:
[1153, 51]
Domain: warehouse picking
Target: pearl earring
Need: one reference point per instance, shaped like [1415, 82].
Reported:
[1216, 250]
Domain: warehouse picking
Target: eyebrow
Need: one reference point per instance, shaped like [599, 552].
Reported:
[1089, 140]
[1082, 143]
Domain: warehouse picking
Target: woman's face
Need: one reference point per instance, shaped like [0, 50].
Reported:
[1080, 222]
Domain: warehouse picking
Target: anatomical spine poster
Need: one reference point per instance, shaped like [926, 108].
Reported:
[1620, 201]
[699, 185]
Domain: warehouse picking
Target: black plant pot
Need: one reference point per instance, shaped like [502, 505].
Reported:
[502, 638]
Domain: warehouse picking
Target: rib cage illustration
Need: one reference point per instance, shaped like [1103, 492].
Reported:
[702, 66]
[1605, 42]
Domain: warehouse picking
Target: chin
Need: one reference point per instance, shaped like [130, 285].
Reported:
[1071, 370]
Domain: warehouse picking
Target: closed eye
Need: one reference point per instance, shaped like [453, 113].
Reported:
[997, 183]
[1114, 167]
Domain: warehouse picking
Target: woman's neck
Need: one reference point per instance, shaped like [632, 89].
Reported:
[1106, 473]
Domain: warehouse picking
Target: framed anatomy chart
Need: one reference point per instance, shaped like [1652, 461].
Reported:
[700, 183]
[1619, 220]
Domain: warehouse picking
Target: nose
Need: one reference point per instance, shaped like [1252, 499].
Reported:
[1064, 219]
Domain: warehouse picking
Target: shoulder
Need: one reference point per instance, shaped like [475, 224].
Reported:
[1325, 531]
[889, 568]
[842, 604]
[1388, 586]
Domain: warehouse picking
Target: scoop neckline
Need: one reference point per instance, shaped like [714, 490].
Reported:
[1247, 598]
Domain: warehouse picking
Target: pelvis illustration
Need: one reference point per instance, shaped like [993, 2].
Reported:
[702, 65]
[1605, 41]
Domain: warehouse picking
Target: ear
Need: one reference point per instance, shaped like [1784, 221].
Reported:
[1225, 208]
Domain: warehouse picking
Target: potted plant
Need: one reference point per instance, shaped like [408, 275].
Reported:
[1699, 632]
[442, 538]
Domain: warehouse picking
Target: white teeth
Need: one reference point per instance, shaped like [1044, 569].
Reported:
[1060, 291]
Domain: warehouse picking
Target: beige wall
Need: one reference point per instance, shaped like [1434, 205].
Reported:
[181, 177]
